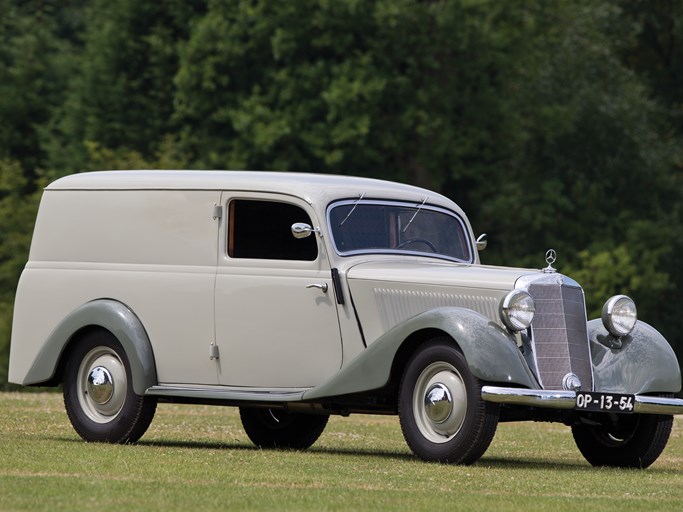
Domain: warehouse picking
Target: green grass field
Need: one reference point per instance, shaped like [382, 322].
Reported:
[198, 458]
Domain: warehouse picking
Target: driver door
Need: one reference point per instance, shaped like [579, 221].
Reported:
[276, 315]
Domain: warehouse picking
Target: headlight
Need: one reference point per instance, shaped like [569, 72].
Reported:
[619, 315]
[517, 310]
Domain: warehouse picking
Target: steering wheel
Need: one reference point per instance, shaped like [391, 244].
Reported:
[417, 241]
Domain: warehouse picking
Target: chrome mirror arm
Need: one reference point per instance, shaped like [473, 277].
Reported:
[303, 230]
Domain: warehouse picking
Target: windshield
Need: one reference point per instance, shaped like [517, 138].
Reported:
[373, 226]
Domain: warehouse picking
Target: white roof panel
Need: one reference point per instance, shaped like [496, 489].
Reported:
[320, 189]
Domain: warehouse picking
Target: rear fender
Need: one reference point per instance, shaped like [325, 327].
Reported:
[112, 316]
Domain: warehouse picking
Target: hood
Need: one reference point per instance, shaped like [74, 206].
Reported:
[386, 293]
[439, 273]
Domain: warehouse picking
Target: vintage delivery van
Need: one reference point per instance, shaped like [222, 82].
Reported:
[296, 296]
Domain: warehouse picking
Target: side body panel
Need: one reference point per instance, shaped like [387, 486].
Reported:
[154, 251]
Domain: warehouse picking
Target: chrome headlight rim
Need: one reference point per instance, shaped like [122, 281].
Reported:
[517, 310]
[620, 315]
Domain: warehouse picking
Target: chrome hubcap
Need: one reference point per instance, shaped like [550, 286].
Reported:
[440, 402]
[102, 384]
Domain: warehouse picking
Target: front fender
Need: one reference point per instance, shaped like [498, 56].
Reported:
[642, 362]
[491, 353]
[117, 319]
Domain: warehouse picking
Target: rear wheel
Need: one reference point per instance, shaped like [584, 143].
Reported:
[627, 441]
[276, 428]
[98, 392]
[443, 416]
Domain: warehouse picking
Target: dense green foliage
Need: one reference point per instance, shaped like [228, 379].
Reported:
[554, 124]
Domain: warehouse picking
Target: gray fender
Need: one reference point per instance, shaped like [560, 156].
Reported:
[116, 318]
[491, 353]
[642, 362]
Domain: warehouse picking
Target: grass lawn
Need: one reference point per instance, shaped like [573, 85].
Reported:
[198, 458]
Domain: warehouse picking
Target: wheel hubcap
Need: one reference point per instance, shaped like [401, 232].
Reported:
[102, 384]
[440, 402]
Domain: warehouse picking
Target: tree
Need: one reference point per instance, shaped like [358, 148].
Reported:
[593, 177]
[554, 124]
[122, 97]
[17, 215]
[409, 90]
[34, 70]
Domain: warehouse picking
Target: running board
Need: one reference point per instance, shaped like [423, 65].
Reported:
[227, 393]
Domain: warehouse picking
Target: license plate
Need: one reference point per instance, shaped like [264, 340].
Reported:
[604, 402]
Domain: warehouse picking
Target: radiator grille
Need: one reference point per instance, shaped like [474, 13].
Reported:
[559, 334]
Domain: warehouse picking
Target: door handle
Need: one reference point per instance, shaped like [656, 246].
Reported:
[321, 286]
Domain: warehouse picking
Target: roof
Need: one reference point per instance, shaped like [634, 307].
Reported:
[314, 188]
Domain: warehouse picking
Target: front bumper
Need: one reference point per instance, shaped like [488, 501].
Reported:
[567, 400]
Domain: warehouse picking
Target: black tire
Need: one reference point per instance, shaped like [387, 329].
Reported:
[98, 411]
[631, 441]
[276, 428]
[442, 414]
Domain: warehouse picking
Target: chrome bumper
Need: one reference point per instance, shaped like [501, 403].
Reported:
[567, 400]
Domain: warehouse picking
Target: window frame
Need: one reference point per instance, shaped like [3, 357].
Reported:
[229, 230]
[403, 252]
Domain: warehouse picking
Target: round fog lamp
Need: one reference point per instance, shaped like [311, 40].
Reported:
[517, 310]
[619, 315]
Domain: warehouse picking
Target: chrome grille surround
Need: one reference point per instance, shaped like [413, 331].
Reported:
[559, 335]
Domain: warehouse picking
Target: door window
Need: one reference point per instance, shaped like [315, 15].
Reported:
[263, 230]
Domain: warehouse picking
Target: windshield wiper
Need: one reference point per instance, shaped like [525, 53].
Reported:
[415, 214]
[360, 198]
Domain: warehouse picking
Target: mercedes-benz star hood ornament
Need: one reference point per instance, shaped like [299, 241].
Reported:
[550, 258]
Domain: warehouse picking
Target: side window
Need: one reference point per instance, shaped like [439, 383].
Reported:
[263, 230]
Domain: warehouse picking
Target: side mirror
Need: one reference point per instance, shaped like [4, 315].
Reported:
[482, 242]
[303, 230]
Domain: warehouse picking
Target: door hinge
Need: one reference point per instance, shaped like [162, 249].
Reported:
[213, 351]
[217, 211]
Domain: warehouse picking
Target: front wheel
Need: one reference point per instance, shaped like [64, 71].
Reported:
[442, 414]
[98, 392]
[627, 441]
[276, 428]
